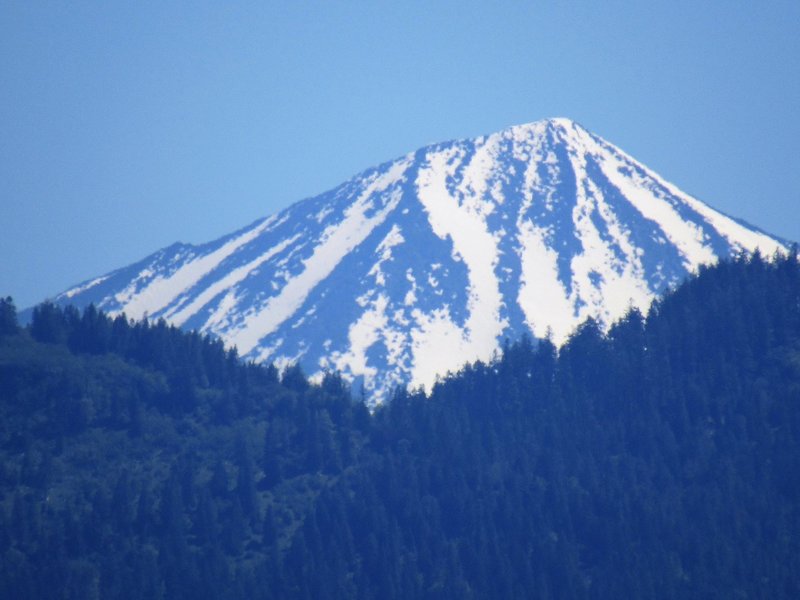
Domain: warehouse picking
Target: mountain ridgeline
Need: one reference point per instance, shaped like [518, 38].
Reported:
[417, 266]
[658, 459]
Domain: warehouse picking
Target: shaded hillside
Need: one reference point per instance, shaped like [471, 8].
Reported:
[660, 460]
[139, 461]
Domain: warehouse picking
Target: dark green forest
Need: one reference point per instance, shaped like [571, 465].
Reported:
[658, 460]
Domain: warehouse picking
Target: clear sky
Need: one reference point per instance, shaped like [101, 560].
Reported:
[125, 127]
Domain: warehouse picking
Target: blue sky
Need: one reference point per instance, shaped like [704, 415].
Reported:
[125, 127]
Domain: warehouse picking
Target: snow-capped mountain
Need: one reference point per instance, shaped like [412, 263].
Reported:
[424, 263]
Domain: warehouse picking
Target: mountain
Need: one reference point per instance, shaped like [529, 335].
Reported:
[422, 264]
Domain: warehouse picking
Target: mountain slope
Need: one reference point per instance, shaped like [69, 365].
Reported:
[419, 265]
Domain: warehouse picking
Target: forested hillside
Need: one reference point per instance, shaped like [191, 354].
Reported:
[661, 460]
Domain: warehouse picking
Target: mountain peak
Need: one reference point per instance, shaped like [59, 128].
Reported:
[424, 263]
[538, 127]
[560, 123]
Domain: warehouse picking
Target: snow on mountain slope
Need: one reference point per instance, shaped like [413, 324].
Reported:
[422, 264]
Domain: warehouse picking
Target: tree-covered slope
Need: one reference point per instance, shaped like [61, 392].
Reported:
[138, 461]
[659, 460]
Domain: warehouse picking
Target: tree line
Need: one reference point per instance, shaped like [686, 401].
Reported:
[659, 459]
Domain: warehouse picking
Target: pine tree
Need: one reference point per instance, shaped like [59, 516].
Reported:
[8, 317]
[49, 324]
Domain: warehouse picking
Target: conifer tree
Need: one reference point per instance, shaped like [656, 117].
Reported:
[8, 317]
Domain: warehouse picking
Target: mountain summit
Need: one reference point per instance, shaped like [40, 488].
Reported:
[424, 263]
